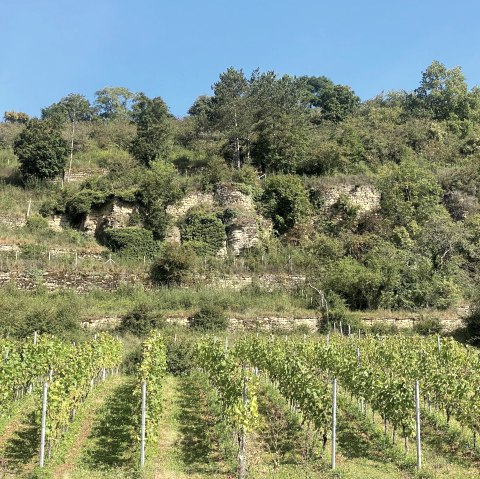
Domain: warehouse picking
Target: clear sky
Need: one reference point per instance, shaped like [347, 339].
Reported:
[177, 48]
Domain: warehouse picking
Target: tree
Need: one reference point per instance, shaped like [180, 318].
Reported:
[15, 117]
[286, 201]
[41, 150]
[442, 93]
[154, 140]
[410, 194]
[72, 108]
[158, 188]
[231, 111]
[281, 123]
[335, 102]
[114, 103]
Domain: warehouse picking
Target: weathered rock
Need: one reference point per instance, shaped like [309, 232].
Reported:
[180, 209]
[113, 214]
[365, 197]
[58, 222]
[12, 221]
[227, 196]
[242, 235]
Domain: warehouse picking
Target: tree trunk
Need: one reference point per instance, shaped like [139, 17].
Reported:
[71, 150]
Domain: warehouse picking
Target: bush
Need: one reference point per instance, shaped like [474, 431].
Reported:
[205, 228]
[381, 329]
[32, 251]
[81, 203]
[131, 242]
[62, 321]
[41, 150]
[209, 318]
[36, 223]
[141, 320]
[427, 326]
[174, 265]
[285, 201]
[180, 354]
[472, 323]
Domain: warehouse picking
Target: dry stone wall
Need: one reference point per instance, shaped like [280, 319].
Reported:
[79, 282]
[13, 221]
[273, 323]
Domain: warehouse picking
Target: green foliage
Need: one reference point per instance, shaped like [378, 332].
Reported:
[158, 188]
[380, 328]
[210, 317]
[472, 324]
[131, 242]
[41, 150]
[36, 223]
[335, 102]
[72, 108]
[285, 201]
[152, 370]
[205, 228]
[180, 353]
[428, 325]
[113, 103]
[61, 320]
[154, 133]
[141, 320]
[443, 93]
[82, 202]
[410, 193]
[15, 117]
[173, 266]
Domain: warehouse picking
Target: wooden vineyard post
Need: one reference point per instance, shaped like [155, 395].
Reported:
[417, 425]
[334, 421]
[144, 415]
[44, 424]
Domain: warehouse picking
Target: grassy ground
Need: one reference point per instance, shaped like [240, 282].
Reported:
[102, 442]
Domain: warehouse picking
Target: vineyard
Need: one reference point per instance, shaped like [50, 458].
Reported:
[253, 406]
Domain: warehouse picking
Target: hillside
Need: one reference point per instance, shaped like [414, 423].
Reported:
[358, 206]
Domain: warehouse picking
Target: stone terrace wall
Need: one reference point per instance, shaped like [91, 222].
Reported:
[271, 323]
[80, 282]
[12, 221]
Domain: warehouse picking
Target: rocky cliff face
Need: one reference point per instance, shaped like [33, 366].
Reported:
[114, 214]
[244, 230]
[365, 197]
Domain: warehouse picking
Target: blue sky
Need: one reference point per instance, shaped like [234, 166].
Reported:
[177, 48]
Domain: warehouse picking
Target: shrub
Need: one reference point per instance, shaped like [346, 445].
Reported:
[209, 318]
[141, 320]
[41, 150]
[81, 203]
[205, 228]
[472, 323]
[285, 201]
[427, 326]
[32, 251]
[173, 266]
[131, 242]
[180, 354]
[380, 328]
[61, 321]
[36, 223]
